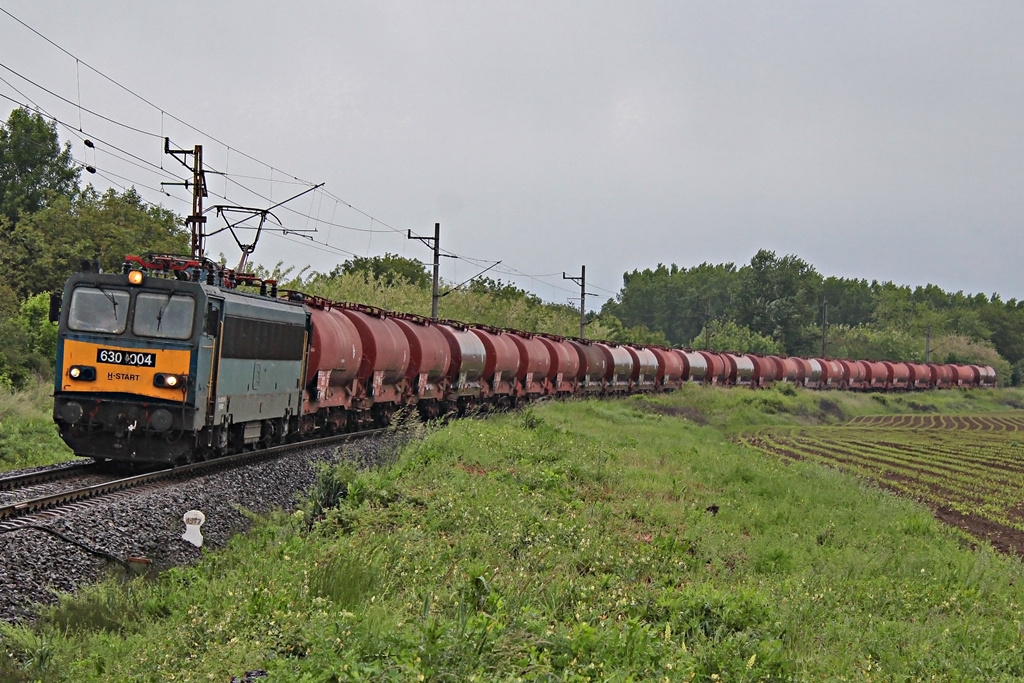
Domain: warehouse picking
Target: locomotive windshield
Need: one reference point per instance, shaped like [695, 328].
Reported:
[168, 316]
[96, 309]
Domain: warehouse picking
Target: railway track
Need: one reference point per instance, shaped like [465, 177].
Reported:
[27, 511]
[19, 481]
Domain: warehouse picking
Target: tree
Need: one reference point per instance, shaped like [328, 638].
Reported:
[850, 302]
[676, 301]
[611, 329]
[777, 298]
[390, 268]
[1006, 320]
[44, 248]
[33, 167]
[30, 344]
[729, 336]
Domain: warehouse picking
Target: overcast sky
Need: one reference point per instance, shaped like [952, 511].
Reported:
[873, 139]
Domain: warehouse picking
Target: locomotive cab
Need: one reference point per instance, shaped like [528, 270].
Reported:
[127, 381]
[169, 362]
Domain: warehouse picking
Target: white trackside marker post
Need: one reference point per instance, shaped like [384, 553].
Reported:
[193, 520]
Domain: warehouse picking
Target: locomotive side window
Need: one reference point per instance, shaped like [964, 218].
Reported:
[168, 316]
[95, 309]
[262, 339]
[213, 318]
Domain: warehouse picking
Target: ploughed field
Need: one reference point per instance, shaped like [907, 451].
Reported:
[968, 468]
[991, 422]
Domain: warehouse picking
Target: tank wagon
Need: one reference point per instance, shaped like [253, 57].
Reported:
[171, 360]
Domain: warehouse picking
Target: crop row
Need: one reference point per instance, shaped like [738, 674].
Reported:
[942, 467]
[995, 422]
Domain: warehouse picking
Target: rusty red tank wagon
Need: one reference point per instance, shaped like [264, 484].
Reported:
[593, 366]
[716, 368]
[942, 375]
[565, 364]
[334, 392]
[789, 371]
[385, 356]
[502, 364]
[534, 363]
[854, 374]
[430, 358]
[803, 370]
[671, 367]
[831, 373]
[920, 376]
[765, 370]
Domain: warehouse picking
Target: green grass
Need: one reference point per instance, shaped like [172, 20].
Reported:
[590, 540]
[28, 437]
[973, 472]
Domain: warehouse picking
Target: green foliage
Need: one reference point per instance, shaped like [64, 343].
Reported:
[34, 170]
[32, 652]
[34, 319]
[675, 301]
[613, 330]
[873, 342]
[30, 344]
[729, 336]
[44, 248]
[390, 269]
[850, 302]
[777, 297]
[28, 437]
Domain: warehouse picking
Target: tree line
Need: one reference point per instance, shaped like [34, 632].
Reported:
[782, 304]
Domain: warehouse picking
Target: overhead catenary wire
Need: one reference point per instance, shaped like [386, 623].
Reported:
[315, 219]
[153, 168]
[81, 135]
[163, 113]
[73, 104]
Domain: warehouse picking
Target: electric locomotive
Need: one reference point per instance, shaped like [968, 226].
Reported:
[162, 363]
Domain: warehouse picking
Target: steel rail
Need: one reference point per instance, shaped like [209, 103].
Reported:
[56, 500]
[72, 469]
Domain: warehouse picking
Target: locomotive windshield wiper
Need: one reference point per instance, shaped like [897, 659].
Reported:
[112, 299]
[160, 311]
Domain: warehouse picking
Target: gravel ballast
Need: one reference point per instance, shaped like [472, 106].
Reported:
[38, 563]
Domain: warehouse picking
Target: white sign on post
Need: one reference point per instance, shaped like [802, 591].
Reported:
[193, 520]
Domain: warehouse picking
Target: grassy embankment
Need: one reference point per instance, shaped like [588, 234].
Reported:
[588, 540]
[28, 436]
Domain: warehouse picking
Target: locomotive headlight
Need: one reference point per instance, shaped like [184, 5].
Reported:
[135, 277]
[166, 381]
[82, 373]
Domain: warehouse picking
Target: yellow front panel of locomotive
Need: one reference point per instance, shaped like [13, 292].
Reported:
[124, 378]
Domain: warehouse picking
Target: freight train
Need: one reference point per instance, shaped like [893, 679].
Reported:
[171, 361]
